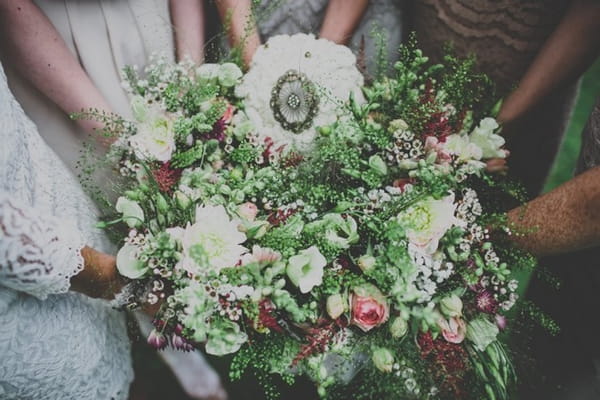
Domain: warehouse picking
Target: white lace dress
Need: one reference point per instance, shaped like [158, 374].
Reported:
[54, 344]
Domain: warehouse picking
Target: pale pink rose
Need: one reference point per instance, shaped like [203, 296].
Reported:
[248, 211]
[432, 144]
[369, 307]
[453, 330]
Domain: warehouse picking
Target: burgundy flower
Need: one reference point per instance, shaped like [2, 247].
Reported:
[166, 177]
[218, 131]
[157, 340]
[485, 302]
[180, 343]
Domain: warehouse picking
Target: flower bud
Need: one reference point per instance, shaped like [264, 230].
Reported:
[157, 340]
[451, 306]
[161, 203]
[335, 306]
[398, 328]
[182, 200]
[378, 165]
[366, 263]
[180, 343]
[383, 359]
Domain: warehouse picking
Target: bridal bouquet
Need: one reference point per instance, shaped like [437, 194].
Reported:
[316, 225]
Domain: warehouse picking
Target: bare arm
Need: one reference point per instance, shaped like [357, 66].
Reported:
[567, 53]
[187, 17]
[99, 277]
[241, 27]
[565, 219]
[42, 57]
[341, 18]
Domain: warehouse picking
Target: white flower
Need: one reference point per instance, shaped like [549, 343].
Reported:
[305, 269]
[211, 243]
[128, 263]
[155, 138]
[229, 74]
[133, 215]
[461, 146]
[427, 221]
[484, 137]
[321, 77]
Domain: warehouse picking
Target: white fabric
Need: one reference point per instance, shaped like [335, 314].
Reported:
[67, 346]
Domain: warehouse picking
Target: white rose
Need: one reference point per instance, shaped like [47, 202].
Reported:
[155, 139]
[133, 215]
[484, 137]
[128, 264]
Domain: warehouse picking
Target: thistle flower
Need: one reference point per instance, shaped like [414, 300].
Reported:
[157, 340]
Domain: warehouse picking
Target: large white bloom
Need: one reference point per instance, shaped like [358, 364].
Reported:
[297, 83]
[213, 242]
[485, 138]
[155, 137]
[427, 221]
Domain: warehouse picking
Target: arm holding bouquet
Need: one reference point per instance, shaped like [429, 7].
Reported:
[569, 51]
[341, 18]
[563, 220]
[187, 17]
[41, 255]
[41, 55]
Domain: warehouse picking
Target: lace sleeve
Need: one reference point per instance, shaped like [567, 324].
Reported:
[38, 253]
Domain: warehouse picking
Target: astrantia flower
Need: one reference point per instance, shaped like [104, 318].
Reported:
[305, 269]
[295, 84]
[427, 221]
[213, 242]
[485, 302]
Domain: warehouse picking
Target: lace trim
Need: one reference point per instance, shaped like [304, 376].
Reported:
[39, 254]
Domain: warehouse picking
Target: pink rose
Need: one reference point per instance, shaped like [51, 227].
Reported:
[432, 144]
[228, 115]
[369, 307]
[248, 211]
[453, 330]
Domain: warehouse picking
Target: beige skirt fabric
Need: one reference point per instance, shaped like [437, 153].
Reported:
[105, 36]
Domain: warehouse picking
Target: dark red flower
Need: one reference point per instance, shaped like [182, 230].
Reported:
[166, 177]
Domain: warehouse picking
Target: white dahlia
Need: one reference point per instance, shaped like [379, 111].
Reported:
[296, 84]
